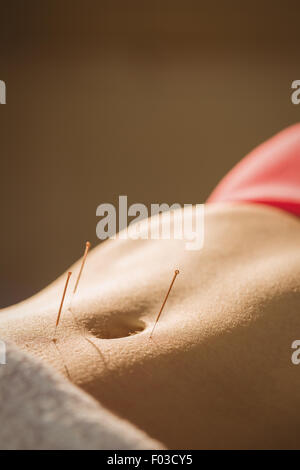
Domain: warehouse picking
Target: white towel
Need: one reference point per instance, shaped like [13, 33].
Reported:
[40, 410]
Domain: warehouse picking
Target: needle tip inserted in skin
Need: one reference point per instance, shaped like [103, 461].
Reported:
[164, 302]
[61, 304]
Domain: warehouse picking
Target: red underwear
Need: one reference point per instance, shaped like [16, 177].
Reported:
[270, 174]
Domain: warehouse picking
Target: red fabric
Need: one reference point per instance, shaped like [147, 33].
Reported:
[270, 174]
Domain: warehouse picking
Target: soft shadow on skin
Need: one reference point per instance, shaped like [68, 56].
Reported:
[84, 333]
[97, 348]
[54, 342]
[241, 388]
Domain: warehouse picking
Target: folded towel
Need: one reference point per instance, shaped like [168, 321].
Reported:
[41, 410]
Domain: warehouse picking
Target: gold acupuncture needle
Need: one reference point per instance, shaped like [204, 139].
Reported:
[82, 330]
[164, 302]
[62, 302]
[87, 247]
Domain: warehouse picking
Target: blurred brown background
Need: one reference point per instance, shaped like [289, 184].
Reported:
[153, 99]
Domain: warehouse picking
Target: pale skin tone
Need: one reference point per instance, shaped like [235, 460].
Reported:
[217, 372]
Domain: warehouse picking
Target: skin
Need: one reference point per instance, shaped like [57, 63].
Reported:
[217, 372]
